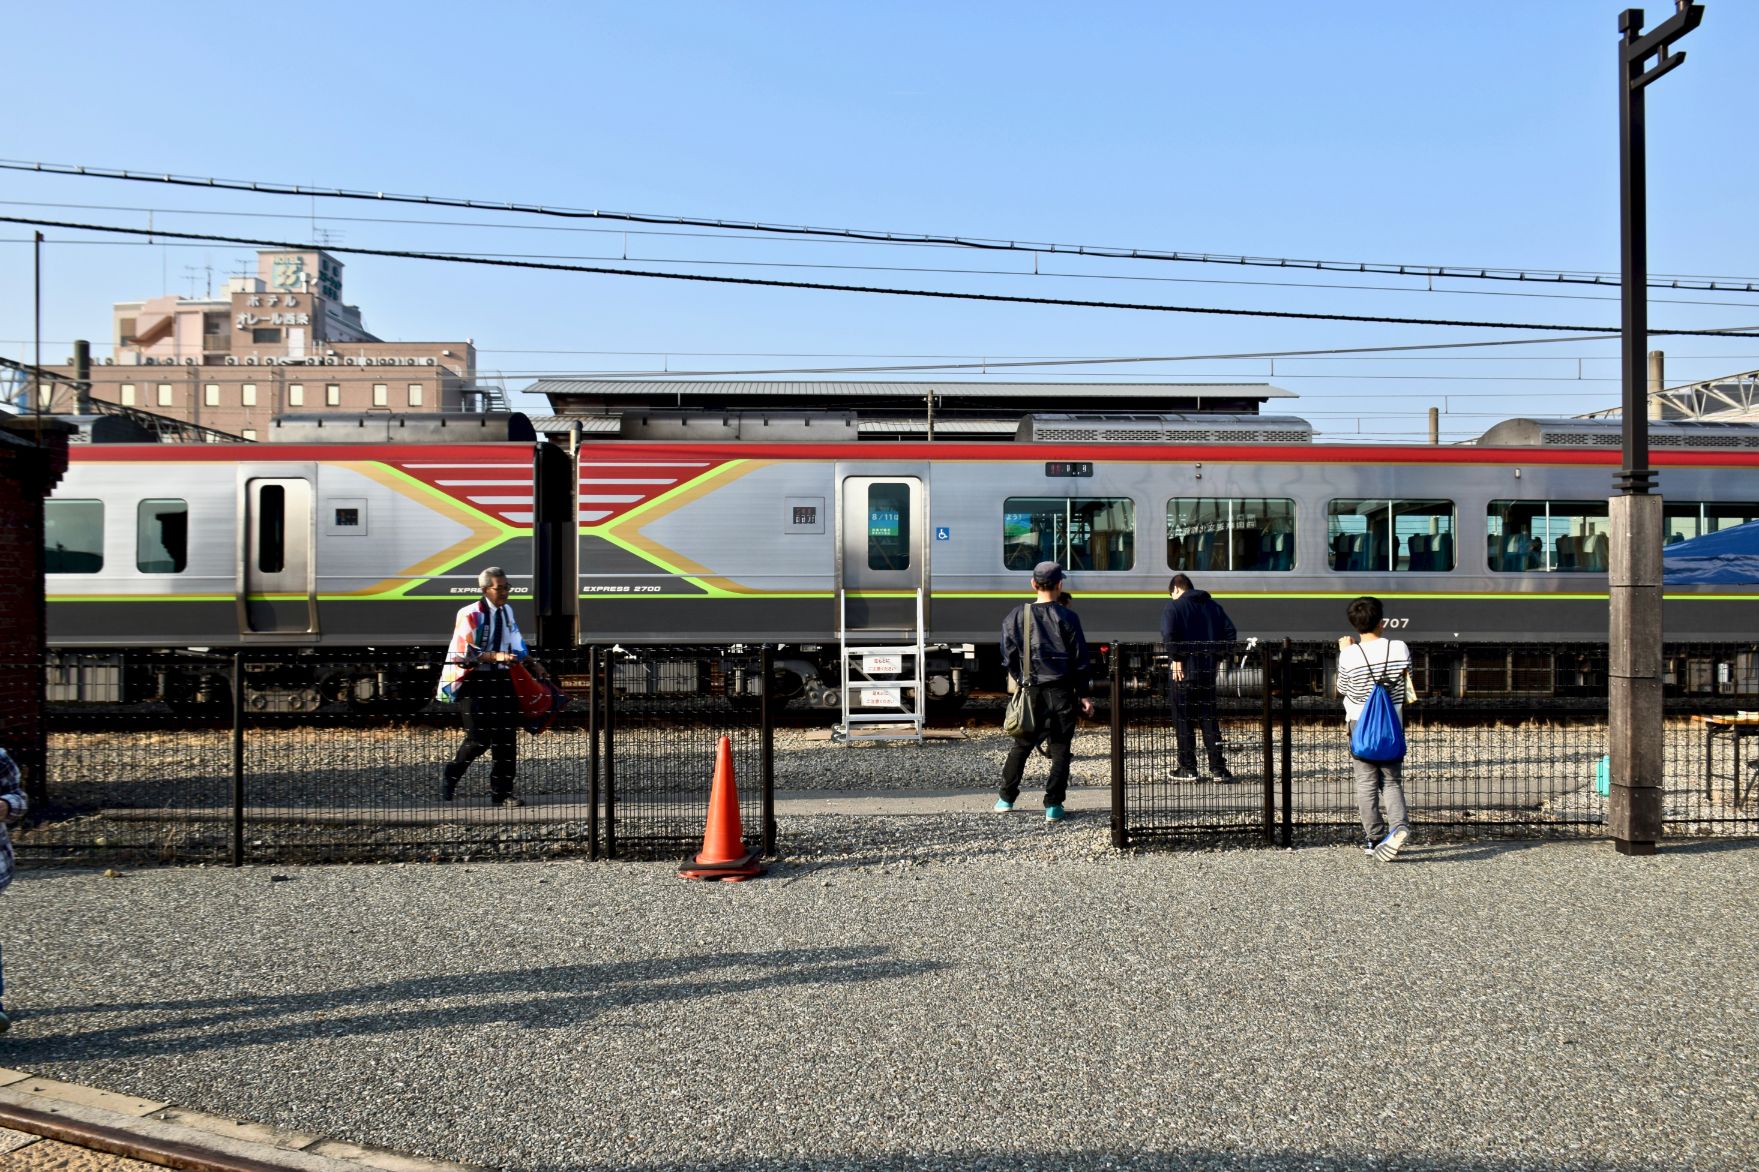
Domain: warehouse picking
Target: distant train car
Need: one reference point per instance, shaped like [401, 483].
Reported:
[811, 545]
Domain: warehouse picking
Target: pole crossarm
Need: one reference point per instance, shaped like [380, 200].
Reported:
[1637, 48]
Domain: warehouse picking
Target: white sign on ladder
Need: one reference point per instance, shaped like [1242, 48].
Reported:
[881, 664]
[882, 697]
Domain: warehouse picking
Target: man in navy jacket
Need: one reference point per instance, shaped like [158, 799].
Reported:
[1196, 632]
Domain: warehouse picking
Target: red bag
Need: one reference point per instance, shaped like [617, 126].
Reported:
[540, 701]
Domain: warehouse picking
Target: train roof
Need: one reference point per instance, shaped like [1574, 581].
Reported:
[1609, 433]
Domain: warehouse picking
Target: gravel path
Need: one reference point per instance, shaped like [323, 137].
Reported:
[963, 991]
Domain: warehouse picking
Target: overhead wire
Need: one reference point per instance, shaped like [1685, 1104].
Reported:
[877, 236]
[819, 286]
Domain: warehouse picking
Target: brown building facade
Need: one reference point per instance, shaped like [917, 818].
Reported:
[278, 343]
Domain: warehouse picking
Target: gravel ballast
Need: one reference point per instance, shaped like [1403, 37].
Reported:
[964, 991]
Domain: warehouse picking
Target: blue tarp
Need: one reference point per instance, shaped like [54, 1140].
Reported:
[1728, 557]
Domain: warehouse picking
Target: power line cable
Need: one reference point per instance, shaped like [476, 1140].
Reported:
[876, 236]
[818, 286]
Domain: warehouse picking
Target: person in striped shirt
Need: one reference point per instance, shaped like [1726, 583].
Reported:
[1364, 659]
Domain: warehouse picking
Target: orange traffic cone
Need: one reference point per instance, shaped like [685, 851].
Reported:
[723, 855]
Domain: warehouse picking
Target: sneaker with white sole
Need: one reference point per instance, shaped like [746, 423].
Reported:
[1387, 849]
[1053, 813]
[1003, 805]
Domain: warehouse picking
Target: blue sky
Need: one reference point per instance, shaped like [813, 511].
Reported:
[1461, 134]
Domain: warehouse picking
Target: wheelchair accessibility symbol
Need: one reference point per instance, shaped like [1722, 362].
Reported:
[943, 533]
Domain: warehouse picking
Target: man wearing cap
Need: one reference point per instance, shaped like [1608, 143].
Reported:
[1055, 678]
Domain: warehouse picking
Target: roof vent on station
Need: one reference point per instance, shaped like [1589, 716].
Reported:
[1192, 428]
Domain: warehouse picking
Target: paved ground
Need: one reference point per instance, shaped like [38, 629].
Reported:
[966, 991]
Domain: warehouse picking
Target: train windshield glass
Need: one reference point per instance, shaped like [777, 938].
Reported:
[1216, 533]
[888, 527]
[161, 543]
[73, 537]
[1390, 536]
[1567, 537]
[1083, 533]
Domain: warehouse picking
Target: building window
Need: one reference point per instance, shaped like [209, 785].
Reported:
[381, 395]
[128, 394]
[1390, 536]
[165, 395]
[296, 394]
[265, 335]
[247, 394]
[332, 395]
[211, 394]
[415, 394]
[125, 330]
[1215, 533]
[73, 537]
[1569, 537]
[250, 435]
[161, 544]
[46, 395]
[1096, 533]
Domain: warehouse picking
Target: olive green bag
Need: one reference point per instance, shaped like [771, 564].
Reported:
[1018, 721]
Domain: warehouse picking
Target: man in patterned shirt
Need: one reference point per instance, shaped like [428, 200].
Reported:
[485, 641]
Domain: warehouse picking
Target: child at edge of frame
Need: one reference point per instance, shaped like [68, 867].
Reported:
[12, 794]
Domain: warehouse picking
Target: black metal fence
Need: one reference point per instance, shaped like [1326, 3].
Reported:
[1500, 739]
[272, 756]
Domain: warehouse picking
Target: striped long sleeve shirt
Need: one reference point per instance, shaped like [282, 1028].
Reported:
[1361, 665]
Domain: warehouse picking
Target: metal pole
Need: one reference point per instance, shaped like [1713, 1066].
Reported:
[238, 758]
[1120, 827]
[1434, 425]
[1634, 632]
[610, 665]
[1264, 669]
[1288, 750]
[767, 751]
[36, 384]
[595, 691]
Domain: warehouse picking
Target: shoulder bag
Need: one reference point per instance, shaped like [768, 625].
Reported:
[1019, 721]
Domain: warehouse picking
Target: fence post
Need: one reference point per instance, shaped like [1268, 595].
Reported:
[1288, 707]
[1264, 668]
[593, 693]
[1120, 828]
[238, 758]
[766, 751]
[610, 754]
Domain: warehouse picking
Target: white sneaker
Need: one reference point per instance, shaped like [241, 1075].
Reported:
[1388, 848]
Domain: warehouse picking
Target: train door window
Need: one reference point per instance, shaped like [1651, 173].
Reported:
[161, 536]
[1390, 536]
[1567, 537]
[1083, 533]
[888, 526]
[272, 529]
[1215, 533]
[73, 537]
[1033, 530]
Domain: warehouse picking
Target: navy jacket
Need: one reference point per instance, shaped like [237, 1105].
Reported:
[1059, 645]
[1195, 617]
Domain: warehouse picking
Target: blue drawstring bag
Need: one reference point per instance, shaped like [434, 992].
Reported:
[1379, 736]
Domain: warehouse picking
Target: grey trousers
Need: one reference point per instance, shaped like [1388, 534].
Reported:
[1375, 781]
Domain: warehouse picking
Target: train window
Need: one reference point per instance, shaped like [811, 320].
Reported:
[161, 541]
[1387, 536]
[1568, 537]
[272, 529]
[73, 537]
[1083, 533]
[1684, 520]
[1217, 533]
[888, 526]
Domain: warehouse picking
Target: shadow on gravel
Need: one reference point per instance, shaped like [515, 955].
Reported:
[1078, 1159]
[557, 997]
[1707, 846]
[1469, 852]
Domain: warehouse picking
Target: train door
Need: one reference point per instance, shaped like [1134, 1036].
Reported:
[882, 554]
[277, 596]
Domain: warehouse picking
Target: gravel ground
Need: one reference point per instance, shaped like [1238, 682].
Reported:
[968, 991]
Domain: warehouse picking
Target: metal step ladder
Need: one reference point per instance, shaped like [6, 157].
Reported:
[881, 672]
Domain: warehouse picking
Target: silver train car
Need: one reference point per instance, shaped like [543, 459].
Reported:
[319, 547]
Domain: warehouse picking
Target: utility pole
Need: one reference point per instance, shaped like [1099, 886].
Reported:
[1634, 726]
[36, 383]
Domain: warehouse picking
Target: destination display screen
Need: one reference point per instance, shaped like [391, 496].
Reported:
[1068, 467]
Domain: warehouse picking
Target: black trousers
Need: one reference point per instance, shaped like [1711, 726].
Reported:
[1194, 703]
[491, 725]
[1054, 708]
